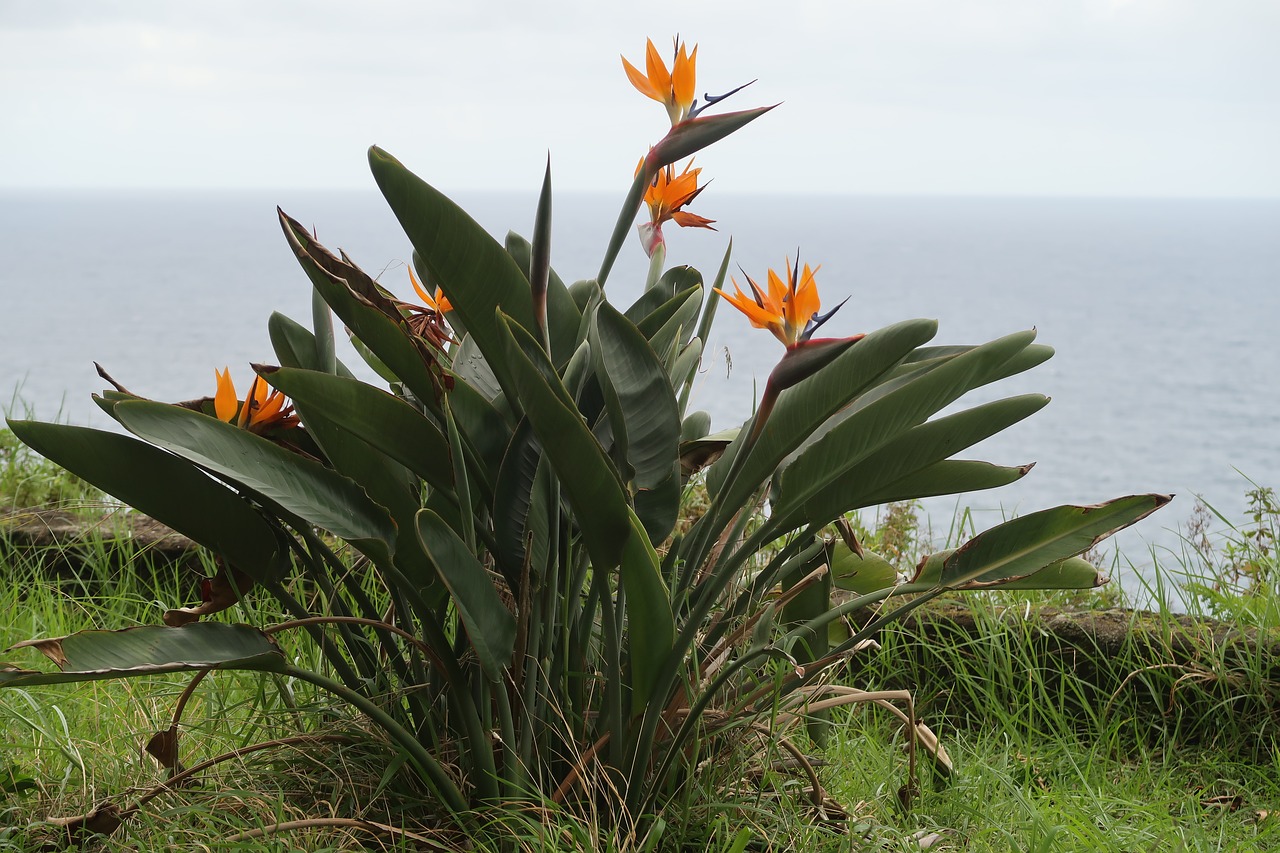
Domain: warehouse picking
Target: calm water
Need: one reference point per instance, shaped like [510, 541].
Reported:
[1164, 314]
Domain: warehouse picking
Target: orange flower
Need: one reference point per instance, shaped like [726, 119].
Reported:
[674, 89]
[666, 197]
[789, 311]
[263, 409]
[439, 304]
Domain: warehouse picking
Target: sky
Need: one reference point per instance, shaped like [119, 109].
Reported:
[1152, 98]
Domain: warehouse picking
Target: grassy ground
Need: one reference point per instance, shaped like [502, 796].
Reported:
[1166, 755]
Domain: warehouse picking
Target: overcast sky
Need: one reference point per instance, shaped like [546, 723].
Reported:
[1022, 97]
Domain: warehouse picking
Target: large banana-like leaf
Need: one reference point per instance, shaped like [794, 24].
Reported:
[491, 629]
[342, 415]
[863, 473]
[377, 331]
[564, 319]
[883, 420]
[803, 408]
[149, 650]
[658, 305]
[649, 621]
[642, 407]
[861, 573]
[472, 269]
[484, 430]
[948, 477]
[589, 480]
[1019, 548]
[295, 345]
[468, 364]
[385, 421]
[520, 520]
[165, 487]
[676, 331]
[301, 486]
[1033, 355]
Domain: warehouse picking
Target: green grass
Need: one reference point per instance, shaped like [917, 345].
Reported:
[1170, 746]
[29, 480]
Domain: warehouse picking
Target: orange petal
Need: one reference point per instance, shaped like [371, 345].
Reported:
[683, 77]
[261, 392]
[247, 409]
[442, 304]
[806, 298]
[422, 293]
[225, 401]
[779, 293]
[641, 82]
[761, 318]
[659, 79]
[691, 220]
[682, 189]
[270, 408]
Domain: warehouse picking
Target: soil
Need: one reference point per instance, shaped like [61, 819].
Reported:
[62, 541]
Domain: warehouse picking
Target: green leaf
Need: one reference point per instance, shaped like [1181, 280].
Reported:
[802, 409]
[518, 517]
[1071, 573]
[642, 406]
[483, 429]
[383, 420]
[352, 423]
[165, 487]
[149, 650]
[659, 304]
[1029, 543]
[949, 477]
[472, 269]
[877, 423]
[299, 485]
[469, 365]
[589, 480]
[680, 311]
[540, 259]
[695, 426]
[863, 574]
[564, 317]
[649, 620]
[1033, 355]
[402, 355]
[915, 449]
[684, 366]
[295, 345]
[659, 507]
[491, 629]
[678, 329]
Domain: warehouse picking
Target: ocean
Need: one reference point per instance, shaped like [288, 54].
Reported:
[1164, 313]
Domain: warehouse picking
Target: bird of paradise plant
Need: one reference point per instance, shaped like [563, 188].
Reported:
[489, 542]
